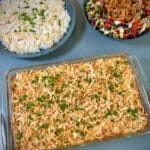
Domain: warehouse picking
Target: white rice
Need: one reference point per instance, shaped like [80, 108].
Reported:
[28, 25]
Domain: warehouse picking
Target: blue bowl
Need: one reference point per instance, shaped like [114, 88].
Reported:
[71, 10]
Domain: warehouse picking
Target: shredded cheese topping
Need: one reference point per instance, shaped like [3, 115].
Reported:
[71, 104]
[26, 26]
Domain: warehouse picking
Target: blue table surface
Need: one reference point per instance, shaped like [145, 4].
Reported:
[85, 42]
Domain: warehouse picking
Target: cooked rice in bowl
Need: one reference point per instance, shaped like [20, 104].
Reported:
[28, 26]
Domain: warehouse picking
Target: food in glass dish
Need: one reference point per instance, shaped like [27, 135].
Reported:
[125, 19]
[71, 104]
[26, 26]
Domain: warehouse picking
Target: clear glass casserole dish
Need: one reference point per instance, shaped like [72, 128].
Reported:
[138, 73]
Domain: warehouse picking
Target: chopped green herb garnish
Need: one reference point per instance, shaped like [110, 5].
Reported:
[30, 117]
[88, 80]
[27, 7]
[42, 98]
[58, 91]
[93, 119]
[133, 112]
[105, 98]
[31, 30]
[41, 12]
[59, 131]
[78, 108]
[83, 134]
[110, 87]
[59, 22]
[116, 85]
[29, 106]
[20, 136]
[73, 93]
[79, 84]
[107, 114]
[50, 80]
[76, 131]
[63, 106]
[23, 97]
[41, 2]
[115, 113]
[90, 126]
[96, 95]
[49, 103]
[44, 126]
[38, 114]
[126, 62]
[35, 80]
[77, 122]
[122, 93]
[116, 74]
[64, 85]
[25, 17]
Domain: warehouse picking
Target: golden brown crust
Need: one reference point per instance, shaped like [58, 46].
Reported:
[73, 104]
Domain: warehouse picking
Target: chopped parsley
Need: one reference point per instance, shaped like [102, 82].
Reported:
[117, 75]
[31, 30]
[59, 22]
[115, 113]
[111, 88]
[41, 12]
[77, 108]
[133, 112]
[76, 131]
[35, 80]
[88, 80]
[59, 131]
[63, 106]
[44, 126]
[64, 85]
[50, 80]
[20, 136]
[126, 62]
[29, 106]
[42, 98]
[96, 95]
[90, 127]
[77, 122]
[58, 91]
[30, 117]
[122, 93]
[49, 103]
[23, 97]
[27, 7]
[83, 134]
[41, 2]
[79, 85]
[107, 114]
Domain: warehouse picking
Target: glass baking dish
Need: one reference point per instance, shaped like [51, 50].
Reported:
[140, 78]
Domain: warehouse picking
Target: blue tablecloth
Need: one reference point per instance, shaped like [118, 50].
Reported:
[87, 42]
